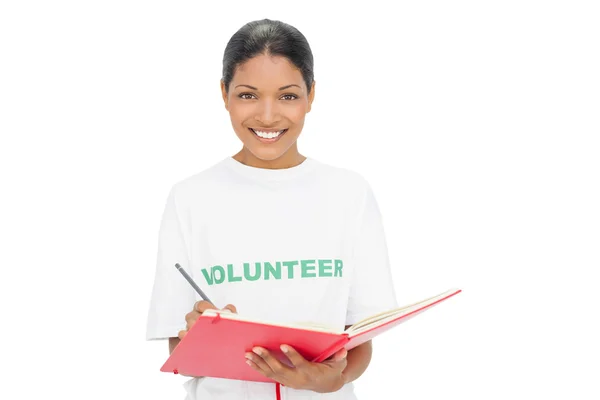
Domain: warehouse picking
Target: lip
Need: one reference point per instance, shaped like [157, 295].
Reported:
[272, 140]
[269, 130]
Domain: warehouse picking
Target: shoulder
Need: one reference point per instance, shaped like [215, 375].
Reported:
[347, 188]
[196, 186]
[343, 178]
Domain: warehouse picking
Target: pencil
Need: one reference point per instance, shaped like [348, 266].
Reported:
[191, 281]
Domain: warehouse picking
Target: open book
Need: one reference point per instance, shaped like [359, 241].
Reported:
[216, 344]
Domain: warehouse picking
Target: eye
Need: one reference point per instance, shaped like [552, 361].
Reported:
[242, 96]
[293, 97]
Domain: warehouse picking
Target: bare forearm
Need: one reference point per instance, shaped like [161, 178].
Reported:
[358, 360]
[173, 342]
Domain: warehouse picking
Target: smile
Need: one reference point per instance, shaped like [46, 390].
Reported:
[268, 137]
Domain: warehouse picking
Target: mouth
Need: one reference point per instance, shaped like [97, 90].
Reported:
[269, 136]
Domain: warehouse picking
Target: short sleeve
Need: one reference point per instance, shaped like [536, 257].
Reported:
[371, 288]
[172, 296]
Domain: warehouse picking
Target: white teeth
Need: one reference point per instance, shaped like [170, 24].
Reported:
[268, 135]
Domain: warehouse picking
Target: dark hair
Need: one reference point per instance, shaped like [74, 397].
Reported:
[270, 38]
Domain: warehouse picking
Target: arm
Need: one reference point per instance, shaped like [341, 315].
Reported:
[173, 342]
[358, 360]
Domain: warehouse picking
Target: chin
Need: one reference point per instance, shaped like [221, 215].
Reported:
[268, 154]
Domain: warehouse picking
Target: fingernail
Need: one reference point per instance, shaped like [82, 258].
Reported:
[249, 362]
[257, 350]
[248, 356]
[284, 348]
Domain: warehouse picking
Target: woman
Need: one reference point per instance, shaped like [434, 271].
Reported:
[275, 234]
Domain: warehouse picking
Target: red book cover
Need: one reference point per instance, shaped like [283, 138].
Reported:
[217, 343]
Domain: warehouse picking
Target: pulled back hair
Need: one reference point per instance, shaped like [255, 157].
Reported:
[268, 37]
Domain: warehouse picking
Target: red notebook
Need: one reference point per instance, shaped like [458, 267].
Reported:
[216, 344]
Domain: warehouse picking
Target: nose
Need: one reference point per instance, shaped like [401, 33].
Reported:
[267, 112]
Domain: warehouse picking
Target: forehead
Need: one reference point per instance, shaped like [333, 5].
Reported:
[267, 72]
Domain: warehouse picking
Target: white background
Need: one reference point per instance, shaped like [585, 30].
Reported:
[476, 123]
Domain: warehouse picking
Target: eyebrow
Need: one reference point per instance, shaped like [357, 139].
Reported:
[281, 88]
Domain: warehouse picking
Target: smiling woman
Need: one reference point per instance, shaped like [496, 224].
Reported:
[278, 235]
[268, 88]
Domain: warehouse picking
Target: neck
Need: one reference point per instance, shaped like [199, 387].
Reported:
[291, 158]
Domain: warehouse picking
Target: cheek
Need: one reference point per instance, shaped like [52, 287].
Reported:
[296, 113]
[239, 114]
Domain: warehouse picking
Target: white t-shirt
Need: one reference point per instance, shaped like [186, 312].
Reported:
[302, 244]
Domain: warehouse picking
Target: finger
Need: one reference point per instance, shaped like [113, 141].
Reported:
[190, 319]
[337, 365]
[338, 360]
[340, 355]
[256, 362]
[181, 334]
[231, 308]
[276, 367]
[192, 316]
[189, 324]
[296, 358]
[204, 305]
[253, 365]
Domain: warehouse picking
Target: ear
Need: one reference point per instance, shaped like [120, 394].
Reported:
[311, 97]
[224, 94]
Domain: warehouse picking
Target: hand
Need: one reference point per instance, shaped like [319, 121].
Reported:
[199, 308]
[319, 377]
